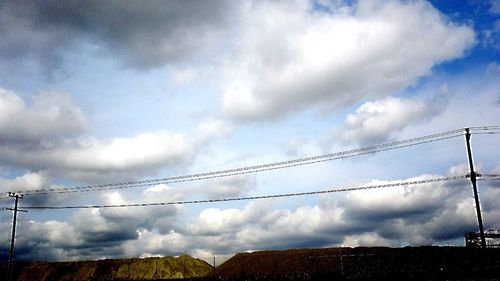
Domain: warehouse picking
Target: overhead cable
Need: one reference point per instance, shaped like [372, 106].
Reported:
[257, 168]
[488, 133]
[346, 189]
[262, 167]
[485, 128]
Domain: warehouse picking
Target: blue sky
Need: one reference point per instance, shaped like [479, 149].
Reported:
[96, 92]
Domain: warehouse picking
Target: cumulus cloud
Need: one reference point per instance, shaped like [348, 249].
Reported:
[229, 187]
[416, 215]
[95, 159]
[375, 121]
[140, 35]
[31, 180]
[215, 221]
[210, 127]
[52, 116]
[292, 58]
[95, 233]
[417, 202]
[283, 57]
[50, 137]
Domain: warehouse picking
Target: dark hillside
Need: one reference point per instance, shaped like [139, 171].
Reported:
[418, 263]
[377, 263]
[120, 269]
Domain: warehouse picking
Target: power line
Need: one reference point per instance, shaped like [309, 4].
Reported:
[387, 185]
[489, 177]
[262, 167]
[72, 190]
[257, 168]
[487, 133]
[484, 128]
[488, 130]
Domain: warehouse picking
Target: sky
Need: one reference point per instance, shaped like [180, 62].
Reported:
[95, 92]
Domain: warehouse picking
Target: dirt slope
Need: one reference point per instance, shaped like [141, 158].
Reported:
[378, 263]
[124, 269]
[417, 263]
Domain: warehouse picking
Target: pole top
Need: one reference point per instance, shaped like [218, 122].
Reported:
[13, 194]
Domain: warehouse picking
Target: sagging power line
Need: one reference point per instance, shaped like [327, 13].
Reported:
[337, 190]
[262, 167]
[485, 177]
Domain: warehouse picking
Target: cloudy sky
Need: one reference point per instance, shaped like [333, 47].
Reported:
[95, 92]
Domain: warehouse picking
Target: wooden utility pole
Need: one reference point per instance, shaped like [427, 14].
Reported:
[473, 179]
[14, 221]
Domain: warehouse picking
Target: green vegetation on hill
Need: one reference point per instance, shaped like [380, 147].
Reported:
[121, 269]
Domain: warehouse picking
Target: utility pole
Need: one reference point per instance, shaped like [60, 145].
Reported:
[214, 259]
[14, 221]
[473, 179]
[341, 264]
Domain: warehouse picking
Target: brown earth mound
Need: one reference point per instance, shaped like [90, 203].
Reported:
[419, 263]
[123, 269]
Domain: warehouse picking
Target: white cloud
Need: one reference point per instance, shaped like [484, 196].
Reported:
[376, 121]
[481, 106]
[94, 159]
[413, 200]
[153, 243]
[52, 116]
[33, 181]
[416, 215]
[28, 181]
[93, 233]
[50, 137]
[291, 58]
[143, 150]
[210, 128]
[233, 186]
[366, 239]
[216, 221]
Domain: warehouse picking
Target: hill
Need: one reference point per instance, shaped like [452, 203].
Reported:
[118, 269]
[378, 263]
[374, 263]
